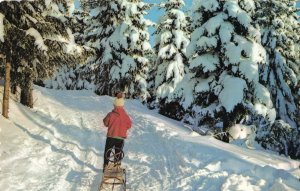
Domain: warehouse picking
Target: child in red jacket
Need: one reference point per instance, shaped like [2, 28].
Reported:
[118, 122]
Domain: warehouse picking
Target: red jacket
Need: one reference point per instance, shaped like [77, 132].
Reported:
[118, 122]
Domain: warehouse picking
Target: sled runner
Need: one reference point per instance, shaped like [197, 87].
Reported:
[114, 176]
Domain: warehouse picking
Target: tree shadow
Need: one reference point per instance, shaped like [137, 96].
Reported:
[58, 150]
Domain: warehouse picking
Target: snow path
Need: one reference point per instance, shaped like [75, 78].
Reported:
[59, 144]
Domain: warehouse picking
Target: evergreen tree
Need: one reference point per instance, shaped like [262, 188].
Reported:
[224, 54]
[135, 68]
[79, 76]
[119, 35]
[69, 78]
[79, 24]
[280, 31]
[172, 38]
[98, 34]
[279, 24]
[36, 33]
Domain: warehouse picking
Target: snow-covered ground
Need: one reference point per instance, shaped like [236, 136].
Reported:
[59, 144]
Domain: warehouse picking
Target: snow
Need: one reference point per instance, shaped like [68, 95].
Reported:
[59, 145]
[167, 52]
[48, 2]
[208, 62]
[240, 131]
[261, 109]
[235, 11]
[31, 18]
[263, 95]
[1, 27]
[39, 41]
[226, 32]
[184, 90]
[181, 39]
[71, 7]
[232, 92]
[213, 23]
[207, 42]
[71, 46]
[249, 69]
[203, 85]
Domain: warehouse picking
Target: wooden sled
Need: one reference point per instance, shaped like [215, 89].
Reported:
[114, 176]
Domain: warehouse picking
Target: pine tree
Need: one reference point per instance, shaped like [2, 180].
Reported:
[279, 24]
[135, 67]
[36, 34]
[121, 41]
[79, 76]
[172, 38]
[224, 55]
[98, 34]
[280, 31]
[69, 78]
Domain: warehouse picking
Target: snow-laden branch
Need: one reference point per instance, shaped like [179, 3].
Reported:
[39, 41]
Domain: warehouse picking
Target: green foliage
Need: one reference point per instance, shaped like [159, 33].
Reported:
[24, 21]
[172, 109]
[281, 74]
[280, 137]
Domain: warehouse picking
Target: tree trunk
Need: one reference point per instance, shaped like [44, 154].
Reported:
[5, 105]
[30, 101]
[26, 94]
[26, 97]
[13, 88]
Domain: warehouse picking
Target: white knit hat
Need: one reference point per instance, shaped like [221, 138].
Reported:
[119, 102]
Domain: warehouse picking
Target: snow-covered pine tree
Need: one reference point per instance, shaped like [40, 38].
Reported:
[107, 16]
[151, 81]
[35, 33]
[224, 54]
[135, 67]
[97, 17]
[172, 38]
[278, 22]
[79, 76]
[79, 20]
[119, 34]
[69, 78]
[280, 31]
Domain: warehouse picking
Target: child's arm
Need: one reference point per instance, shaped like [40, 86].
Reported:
[106, 120]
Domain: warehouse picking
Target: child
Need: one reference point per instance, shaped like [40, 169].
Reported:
[118, 122]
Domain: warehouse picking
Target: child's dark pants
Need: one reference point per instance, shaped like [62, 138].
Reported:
[112, 143]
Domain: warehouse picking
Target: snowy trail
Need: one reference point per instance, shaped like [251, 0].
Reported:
[59, 146]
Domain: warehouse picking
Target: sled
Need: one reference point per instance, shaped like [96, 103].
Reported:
[114, 176]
